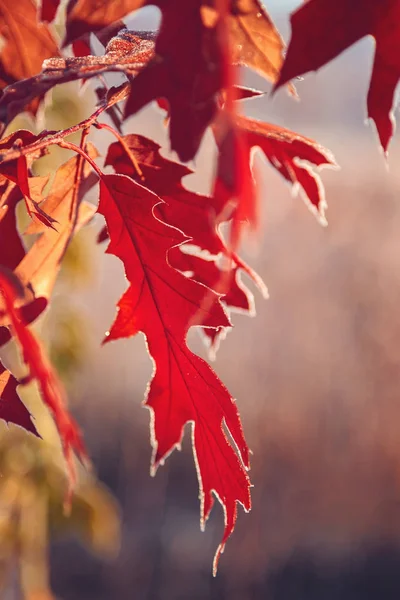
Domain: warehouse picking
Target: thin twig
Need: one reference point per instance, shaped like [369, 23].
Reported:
[52, 138]
[73, 214]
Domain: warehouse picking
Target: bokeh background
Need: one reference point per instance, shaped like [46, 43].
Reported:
[316, 375]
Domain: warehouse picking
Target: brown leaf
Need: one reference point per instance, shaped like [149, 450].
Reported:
[256, 42]
[40, 266]
[12, 250]
[27, 42]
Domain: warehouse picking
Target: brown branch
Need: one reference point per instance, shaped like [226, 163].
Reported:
[58, 136]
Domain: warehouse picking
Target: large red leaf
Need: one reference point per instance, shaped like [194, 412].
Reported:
[12, 410]
[322, 29]
[198, 216]
[163, 304]
[192, 213]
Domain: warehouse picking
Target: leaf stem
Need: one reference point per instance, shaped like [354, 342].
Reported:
[125, 146]
[70, 146]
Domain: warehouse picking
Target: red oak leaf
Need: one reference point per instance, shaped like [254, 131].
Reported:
[206, 271]
[42, 372]
[192, 213]
[12, 410]
[255, 40]
[322, 29]
[290, 153]
[190, 80]
[163, 304]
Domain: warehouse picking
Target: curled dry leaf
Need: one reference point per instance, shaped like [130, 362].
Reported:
[127, 55]
[12, 250]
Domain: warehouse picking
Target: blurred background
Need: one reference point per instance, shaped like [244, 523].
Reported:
[316, 375]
